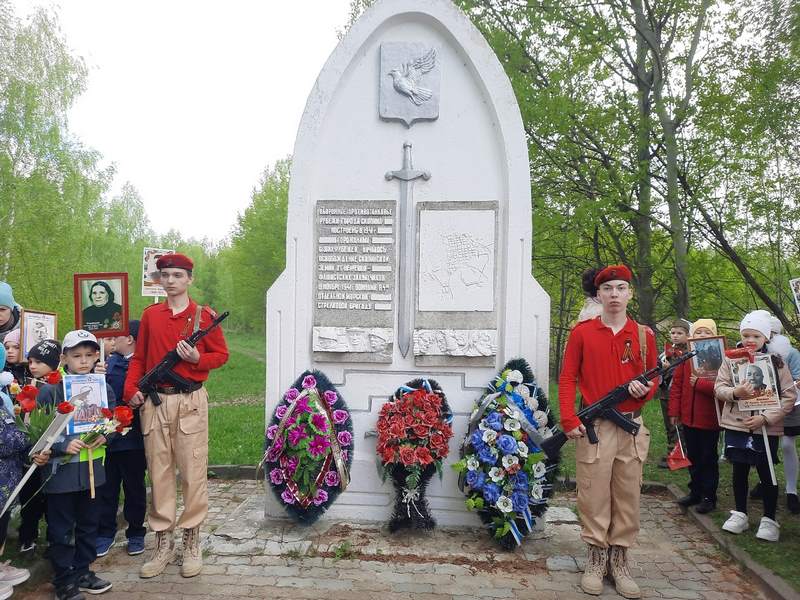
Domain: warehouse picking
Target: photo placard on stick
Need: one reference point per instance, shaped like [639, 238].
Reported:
[90, 394]
[37, 326]
[101, 303]
[150, 285]
[795, 285]
[708, 359]
[761, 375]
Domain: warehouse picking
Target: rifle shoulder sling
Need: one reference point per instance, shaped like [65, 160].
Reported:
[643, 345]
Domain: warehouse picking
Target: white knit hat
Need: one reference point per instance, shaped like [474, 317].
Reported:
[775, 325]
[758, 320]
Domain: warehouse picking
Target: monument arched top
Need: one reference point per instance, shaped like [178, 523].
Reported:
[478, 57]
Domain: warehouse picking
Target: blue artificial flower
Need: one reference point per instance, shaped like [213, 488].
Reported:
[485, 456]
[491, 492]
[494, 420]
[507, 444]
[477, 439]
[519, 500]
[476, 479]
[520, 481]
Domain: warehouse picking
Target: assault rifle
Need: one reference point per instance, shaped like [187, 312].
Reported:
[163, 372]
[606, 408]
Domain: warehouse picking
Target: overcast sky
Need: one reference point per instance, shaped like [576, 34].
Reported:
[193, 99]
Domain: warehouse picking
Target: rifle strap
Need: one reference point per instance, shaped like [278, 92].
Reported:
[643, 345]
[198, 313]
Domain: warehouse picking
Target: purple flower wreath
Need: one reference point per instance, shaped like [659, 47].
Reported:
[308, 447]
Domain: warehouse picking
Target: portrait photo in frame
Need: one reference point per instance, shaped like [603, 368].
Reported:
[794, 284]
[36, 326]
[91, 392]
[150, 284]
[761, 374]
[101, 303]
[710, 352]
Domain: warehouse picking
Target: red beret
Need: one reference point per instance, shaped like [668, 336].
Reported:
[611, 273]
[175, 261]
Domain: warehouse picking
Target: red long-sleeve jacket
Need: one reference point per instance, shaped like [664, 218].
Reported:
[692, 404]
[160, 331]
[596, 361]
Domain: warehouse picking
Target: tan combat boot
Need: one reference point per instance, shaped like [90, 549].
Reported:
[163, 554]
[618, 569]
[192, 556]
[592, 580]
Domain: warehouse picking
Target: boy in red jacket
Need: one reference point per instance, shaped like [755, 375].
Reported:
[691, 403]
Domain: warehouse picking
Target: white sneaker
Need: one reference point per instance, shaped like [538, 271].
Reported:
[5, 591]
[736, 523]
[768, 530]
[12, 575]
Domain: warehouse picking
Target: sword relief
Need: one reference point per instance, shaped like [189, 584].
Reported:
[406, 241]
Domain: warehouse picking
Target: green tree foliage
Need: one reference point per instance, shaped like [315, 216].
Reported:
[257, 252]
[55, 217]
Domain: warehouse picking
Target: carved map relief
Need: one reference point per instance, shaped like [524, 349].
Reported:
[456, 260]
[410, 75]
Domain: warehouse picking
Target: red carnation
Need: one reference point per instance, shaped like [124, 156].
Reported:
[424, 456]
[383, 425]
[421, 430]
[409, 420]
[53, 378]
[107, 413]
[124, 415]
[430, 418]
[407, 455]
[388, 455]
[397, 431]
[65, 408]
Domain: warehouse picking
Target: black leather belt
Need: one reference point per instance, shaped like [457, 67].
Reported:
[172, 389]
[632, 415]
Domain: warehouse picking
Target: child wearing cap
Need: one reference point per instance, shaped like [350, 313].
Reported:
[691, 403]
[125, 462]
[43, 359]
[744, 442]
[13, 443]
[72, 515]
[9, 311]
[679, 343]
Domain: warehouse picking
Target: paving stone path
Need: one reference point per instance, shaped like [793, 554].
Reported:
[246, 557]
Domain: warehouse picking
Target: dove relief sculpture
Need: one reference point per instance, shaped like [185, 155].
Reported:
[410, 77]
[406, 79]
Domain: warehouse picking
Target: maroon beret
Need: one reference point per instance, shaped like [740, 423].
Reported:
[175, 261]
[612, 273]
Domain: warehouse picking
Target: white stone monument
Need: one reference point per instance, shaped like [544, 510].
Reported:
[408, 250]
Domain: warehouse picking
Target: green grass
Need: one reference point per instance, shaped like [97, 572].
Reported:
[243, 377]
[236, 434]
[771, 555]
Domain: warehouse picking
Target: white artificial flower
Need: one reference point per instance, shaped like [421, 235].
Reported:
[510, 459]
[546, 433]
[511, 425]
[483, 426]
[504, 504]
[497, 474]
[541, 418]
[489, 436]
[522, 449]
[539, 470]
[537, 491]
[534, 404]
[512, 412]
[473, 464]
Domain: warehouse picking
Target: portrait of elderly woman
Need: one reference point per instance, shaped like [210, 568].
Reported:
[102, 302]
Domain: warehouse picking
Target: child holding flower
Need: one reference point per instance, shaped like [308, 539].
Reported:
[43, 362]
[72, 517]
